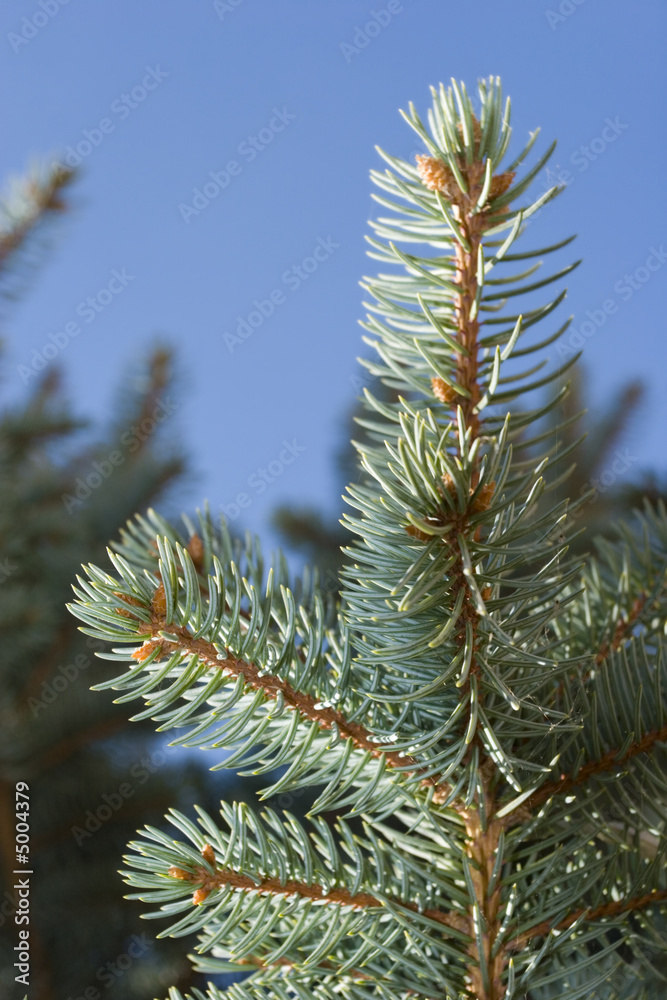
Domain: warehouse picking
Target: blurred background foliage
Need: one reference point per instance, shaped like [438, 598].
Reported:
[94, 776]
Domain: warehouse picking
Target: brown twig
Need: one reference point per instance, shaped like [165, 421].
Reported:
[273, 687]
[623, 626]
[482, 838]
[207, 883]
[608, 911]
[609, 761]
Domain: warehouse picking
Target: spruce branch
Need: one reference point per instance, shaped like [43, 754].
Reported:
[622, 630]
[30, 200]
[612, 760]
[167, 639]
[28, 205]
[467, 183]
[181, 641]
[607, 911]
[206, 882]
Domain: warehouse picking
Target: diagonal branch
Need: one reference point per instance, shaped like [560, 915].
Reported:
[621, 630]
[273, 687]
[621, 633]
[608, 911]
[608, 762]
[38, 198]
[207, 883]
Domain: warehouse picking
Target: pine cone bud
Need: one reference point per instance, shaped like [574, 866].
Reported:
[196, 550]
[208, 854]
[483, 499]
[416, 532]
[145, 651]
[443, 392]
[476, 132]
[159, 602]
[500, 183]
[436, 175]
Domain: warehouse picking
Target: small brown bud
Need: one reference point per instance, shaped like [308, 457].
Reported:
[416, 532]
[436, 175]
[125, 613]
[483, 499]
[200, 895]
[208, 854]
[499, 184]
[486, 593]
[145, 651]
[443, 391]
[159, 602]
[128, 600]
[176, 872]
[476, 131]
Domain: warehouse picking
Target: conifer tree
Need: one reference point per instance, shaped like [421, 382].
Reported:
[483, 713]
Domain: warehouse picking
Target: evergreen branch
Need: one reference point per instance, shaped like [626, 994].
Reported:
[222, 877]
[607, 911]
[610, 761]
[267, 890]
[469, 224]
[167, 639]
[28, 205]
[621, 630]
[275, 688]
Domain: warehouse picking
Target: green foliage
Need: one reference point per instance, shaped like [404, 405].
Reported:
[72, 747]
[485, 712]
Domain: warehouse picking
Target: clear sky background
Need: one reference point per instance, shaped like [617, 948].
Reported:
[221, 72]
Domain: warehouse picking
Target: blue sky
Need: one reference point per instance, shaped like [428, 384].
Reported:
[284, 102]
